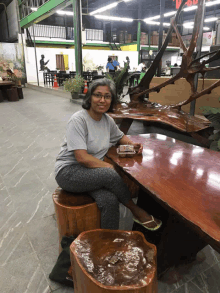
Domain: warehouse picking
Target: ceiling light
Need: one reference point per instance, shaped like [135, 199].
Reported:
[166, 23]
[205, 28]
[170, 13]
[190, 8]
[104, 8]
[114, 18]
[127, 0]
[211, 3]
[62, 12]
[149, 21]
[34, 8]
[210, 19]
[153, 17]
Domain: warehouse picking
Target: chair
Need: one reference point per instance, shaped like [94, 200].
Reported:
[75, 213]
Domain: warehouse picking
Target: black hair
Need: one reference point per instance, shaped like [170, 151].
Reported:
[109, 59]
[100, 82]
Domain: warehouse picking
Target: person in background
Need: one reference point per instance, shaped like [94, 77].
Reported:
[11, 77]
[110, 65]
[116, 64]
[140, 67]
[80, 165]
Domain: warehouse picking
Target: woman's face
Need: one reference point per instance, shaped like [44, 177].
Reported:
[101, 99]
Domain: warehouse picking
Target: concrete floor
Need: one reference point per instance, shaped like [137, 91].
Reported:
[30, 136]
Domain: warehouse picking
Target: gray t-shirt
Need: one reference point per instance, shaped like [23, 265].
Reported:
[85, 133]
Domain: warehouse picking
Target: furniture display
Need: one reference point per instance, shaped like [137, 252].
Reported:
[113, 261]
[75, 213]
[180, 185]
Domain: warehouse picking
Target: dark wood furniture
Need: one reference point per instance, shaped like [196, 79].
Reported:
[4, 86]
[196, 126]
[75, 213]
[105, 261]
[180, 184]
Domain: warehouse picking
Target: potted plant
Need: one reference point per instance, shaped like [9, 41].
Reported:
[74, 85]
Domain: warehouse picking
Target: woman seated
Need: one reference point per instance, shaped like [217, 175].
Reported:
[80, 167]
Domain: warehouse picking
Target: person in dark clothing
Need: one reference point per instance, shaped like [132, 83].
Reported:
[42, 63]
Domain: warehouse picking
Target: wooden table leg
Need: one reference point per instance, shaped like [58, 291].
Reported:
[176, 242]
[125, 125]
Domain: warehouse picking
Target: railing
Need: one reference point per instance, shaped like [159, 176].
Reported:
[51, 31]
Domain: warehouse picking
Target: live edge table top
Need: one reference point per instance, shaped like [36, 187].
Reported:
[184, 178]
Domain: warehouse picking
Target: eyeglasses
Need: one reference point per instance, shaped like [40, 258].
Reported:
[106, 97]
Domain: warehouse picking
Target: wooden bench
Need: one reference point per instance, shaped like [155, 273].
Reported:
[75, 213]
[102, 261]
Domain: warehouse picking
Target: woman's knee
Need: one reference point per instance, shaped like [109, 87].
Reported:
[108, 201]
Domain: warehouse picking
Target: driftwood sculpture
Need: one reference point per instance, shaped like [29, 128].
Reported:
[140, 109]
[189, 67]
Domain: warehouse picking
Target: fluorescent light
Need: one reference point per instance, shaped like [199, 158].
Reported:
[34, 8]
[104, 8]
[170, 13]
[114, 18]
[153, 17]
[149, 21]
[62, 12]
[211, 3]
[166, 23]
[205, 28]
[127, 0]
[210, 19]
[190, 8]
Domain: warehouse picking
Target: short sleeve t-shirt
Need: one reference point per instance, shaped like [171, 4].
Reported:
[85, 133]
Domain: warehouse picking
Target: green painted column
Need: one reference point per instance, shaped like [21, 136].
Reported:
[139, 41]
[77, 20]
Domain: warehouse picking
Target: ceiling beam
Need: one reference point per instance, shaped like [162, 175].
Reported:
[44, 11]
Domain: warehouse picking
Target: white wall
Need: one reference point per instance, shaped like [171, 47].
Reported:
[97, 57]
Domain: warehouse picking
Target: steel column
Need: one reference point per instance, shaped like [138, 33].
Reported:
[77, 20]
[162, 5]
[35, 57]
[198, 51]
[139, 41]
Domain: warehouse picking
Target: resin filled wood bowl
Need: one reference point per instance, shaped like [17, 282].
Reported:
[113, 260]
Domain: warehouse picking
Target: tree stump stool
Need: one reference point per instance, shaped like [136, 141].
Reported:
[1, 96]
[113, 261]
[12, 94]
[20, 93]
[75, 213]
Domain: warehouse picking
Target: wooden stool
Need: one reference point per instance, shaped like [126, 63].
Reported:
[13, 94]
[75, 213]
[20, 93]
[113, 261]
[1, 96]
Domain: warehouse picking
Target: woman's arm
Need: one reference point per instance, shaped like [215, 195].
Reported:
[137, 146]
[89, 161]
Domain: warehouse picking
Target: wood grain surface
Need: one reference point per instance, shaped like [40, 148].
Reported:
[178, 119]
[92, 253]
[184, 178]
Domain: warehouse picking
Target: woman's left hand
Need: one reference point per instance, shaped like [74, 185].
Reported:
[138, 148]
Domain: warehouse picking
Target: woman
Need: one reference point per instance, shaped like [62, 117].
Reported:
[80, 167]
[110, 65]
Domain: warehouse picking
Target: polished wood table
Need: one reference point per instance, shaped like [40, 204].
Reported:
[180, 184]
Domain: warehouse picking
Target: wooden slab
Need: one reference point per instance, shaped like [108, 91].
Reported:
[184, 178]
[6, 82]
[145, 112]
